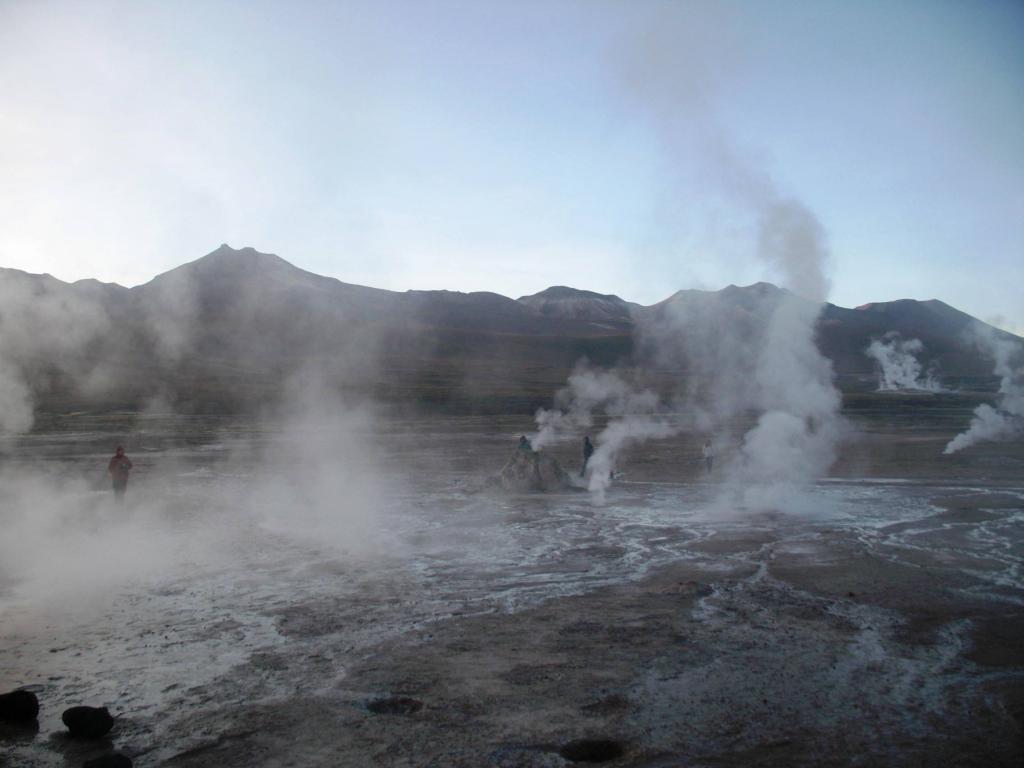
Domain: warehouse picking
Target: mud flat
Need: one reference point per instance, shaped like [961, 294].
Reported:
[766, 648]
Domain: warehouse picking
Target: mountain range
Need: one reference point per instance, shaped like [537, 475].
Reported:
[225, 332]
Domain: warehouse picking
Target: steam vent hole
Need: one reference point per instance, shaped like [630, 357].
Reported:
[395, 705]
[591, 750]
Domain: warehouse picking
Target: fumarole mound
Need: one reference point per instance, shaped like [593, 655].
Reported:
[529, 470]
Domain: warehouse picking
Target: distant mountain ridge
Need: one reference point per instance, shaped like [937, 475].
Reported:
[562, 302]
[232, 325]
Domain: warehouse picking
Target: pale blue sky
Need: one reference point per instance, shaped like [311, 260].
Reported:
[497, 146]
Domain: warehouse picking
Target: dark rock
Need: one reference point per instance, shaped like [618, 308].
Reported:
[88, 722]
[394, 705]
[113, 760]
[591, 750]
[529, 470]
[18, 706]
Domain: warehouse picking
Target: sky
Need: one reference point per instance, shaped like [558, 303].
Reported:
[510, 146]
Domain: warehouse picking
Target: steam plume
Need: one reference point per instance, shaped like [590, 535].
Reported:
[319, 480]
[587, 391]
[1006, 420]
[46, 333]
[633, 413]
[898, 366]
[795, 438]
[676, 82]
[15, 399]
[311, 468]
[629, 429]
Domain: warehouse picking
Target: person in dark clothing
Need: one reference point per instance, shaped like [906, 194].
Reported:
[588, 451]
[119, 466]
[524, 444]
[709, 455]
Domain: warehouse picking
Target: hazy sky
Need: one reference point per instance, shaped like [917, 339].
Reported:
[508, 146]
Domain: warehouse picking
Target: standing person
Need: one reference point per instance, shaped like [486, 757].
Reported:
[588, 451]
[709, 455]
[119, 466]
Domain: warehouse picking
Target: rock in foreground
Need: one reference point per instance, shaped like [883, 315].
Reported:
[88, 722]
[18, 706]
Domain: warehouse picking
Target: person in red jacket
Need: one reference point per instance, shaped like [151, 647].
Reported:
[119, 467]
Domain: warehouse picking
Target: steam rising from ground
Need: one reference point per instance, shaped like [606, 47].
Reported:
[621, 432]
[309, 475]
[898, 366]
[319, 480]
[588, 390]
[672, 72]
[79, 339]
[46, 331]
[634, 417]
[795, 439]
[65, 539]
[675, 80]
[1006, 420]
[15, 399]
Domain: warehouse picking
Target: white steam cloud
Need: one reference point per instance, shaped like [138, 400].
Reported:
[587, 391]
[675, 74]
[15, 399]
[47, 333]
[794, 441]
[621, 432]
[634, 416]
[60, 531]
[898, 366]
[1005, 421]
[309, 472]
[320, 479]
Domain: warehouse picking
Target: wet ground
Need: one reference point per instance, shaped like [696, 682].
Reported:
[379, 607]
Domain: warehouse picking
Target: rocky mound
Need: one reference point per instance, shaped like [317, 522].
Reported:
[529, 470]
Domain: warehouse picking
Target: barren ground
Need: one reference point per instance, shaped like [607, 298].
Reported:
[881, 629]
